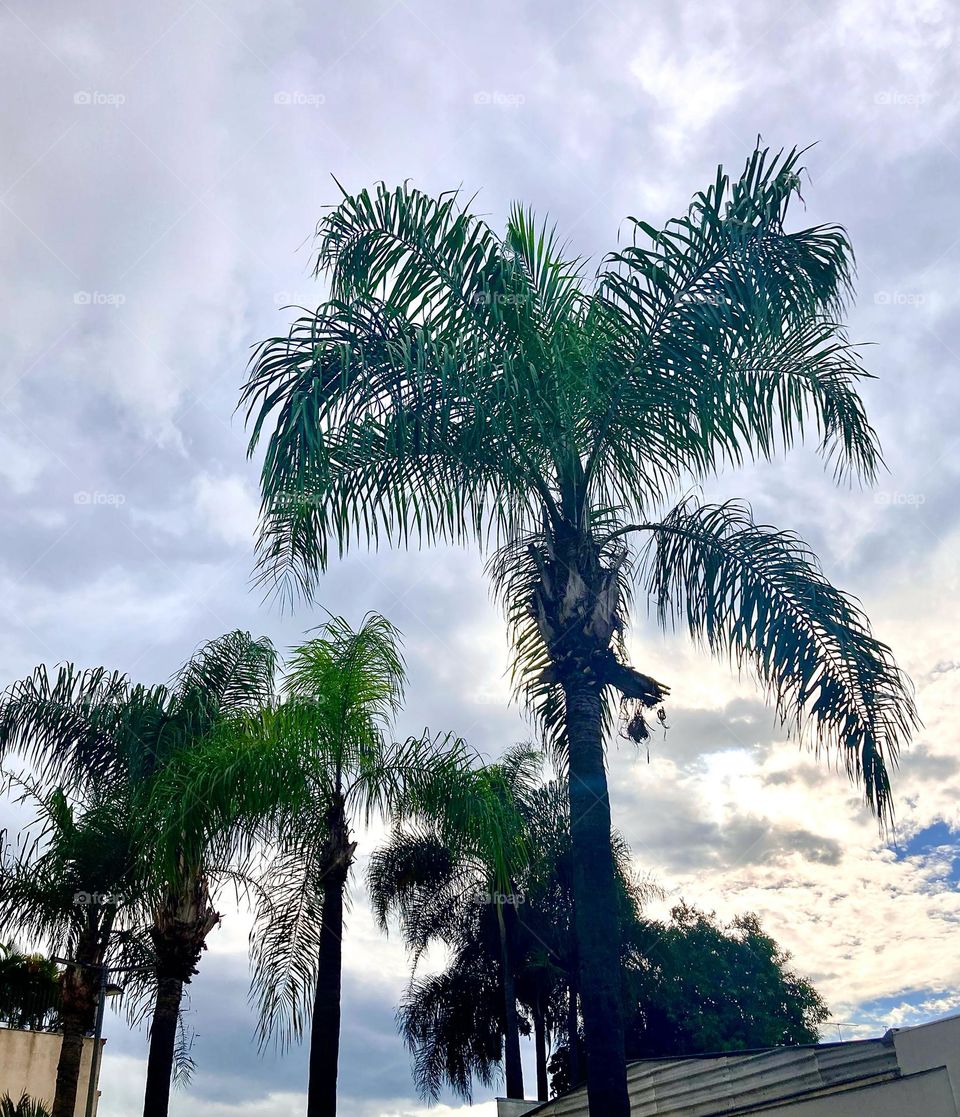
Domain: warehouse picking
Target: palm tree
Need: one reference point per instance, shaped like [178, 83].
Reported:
[66, 886]
[24, 1106]
[327, 745]
[456, 882]
[458, 386]
[456, 1022]
[94, 729]
[29, 985]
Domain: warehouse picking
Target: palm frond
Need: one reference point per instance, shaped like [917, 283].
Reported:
[285, 937]
[760, 596]
[231, 674]
[429, 257]
[734, 321]
[59, 722]
[452, 1023]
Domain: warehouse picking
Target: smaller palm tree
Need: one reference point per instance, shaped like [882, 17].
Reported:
[471, 853]
[302, 774]
[29, 990]
[512, 965]
[62, 886]
[24, 1106]
[98, 735]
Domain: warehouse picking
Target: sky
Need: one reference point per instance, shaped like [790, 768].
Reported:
[163, 171]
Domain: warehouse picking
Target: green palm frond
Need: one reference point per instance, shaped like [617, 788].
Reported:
[382, 430]
[24, 1106]
[58, 722]
[465, 387]
[452, 1023]
[285, 937]
[760, 596]
[354, 679]
[429, 258]
[416, 877]
[233, 673]
[738, 320]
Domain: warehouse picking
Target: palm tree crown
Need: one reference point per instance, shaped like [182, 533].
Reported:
[460, 386]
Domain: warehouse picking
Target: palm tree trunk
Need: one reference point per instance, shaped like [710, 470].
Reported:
[68, 1066]
[163, 1043]
[540, 1041]
[179, 934]
[78, 1000]
[325, 1028]
[595, 901]
[513, 1068]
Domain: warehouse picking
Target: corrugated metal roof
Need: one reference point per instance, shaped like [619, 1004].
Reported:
[705, 1087]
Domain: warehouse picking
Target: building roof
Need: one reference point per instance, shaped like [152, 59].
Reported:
[725, 1084]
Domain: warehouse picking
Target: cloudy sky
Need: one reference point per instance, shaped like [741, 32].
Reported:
[162, 173]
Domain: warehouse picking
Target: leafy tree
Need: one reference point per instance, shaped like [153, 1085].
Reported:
[696, 986]
[700, 986]
[95, 733]
[459, 386]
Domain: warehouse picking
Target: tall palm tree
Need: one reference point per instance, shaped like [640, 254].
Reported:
[93, 729]
[461, 386]
[327, 745]
[66, 886]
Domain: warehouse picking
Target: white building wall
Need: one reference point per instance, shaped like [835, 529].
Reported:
[28, 1063]
[931, 1045]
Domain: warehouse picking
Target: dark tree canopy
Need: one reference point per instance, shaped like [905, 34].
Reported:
[698, 986]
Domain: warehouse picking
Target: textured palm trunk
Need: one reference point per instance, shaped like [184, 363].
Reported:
[512, 1065]
[179, 935]
[595, 901]
[78, 1008]
[75, 1025]
[325, 1024]
[577, 607]
[325, 1030]
[163, 1043]
[540, 1042]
